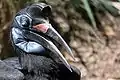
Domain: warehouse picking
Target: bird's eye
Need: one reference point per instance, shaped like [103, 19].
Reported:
[24, 21]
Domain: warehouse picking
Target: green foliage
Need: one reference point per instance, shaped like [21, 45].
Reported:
[106, 6]
[97, 5]
[89, 12]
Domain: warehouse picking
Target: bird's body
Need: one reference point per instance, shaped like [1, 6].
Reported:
[39, 58]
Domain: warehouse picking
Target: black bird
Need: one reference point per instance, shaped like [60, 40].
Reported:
[36, 43]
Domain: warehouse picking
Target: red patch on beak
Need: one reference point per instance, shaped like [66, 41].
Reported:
[41, 27]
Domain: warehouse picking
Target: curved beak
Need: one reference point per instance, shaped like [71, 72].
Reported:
[48, 30]
[56, 36]
[48, 44]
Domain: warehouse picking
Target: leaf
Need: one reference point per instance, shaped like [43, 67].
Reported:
[108, 6]
[116, 5]
[104, 5]
[97, 4]
[89, 12]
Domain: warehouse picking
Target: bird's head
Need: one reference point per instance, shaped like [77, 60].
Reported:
[37, 14]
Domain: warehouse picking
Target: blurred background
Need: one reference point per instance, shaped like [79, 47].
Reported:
[90, 27]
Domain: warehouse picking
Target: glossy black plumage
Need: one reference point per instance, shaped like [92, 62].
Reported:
[36, 61]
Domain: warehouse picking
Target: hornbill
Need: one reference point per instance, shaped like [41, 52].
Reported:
[36, 42]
